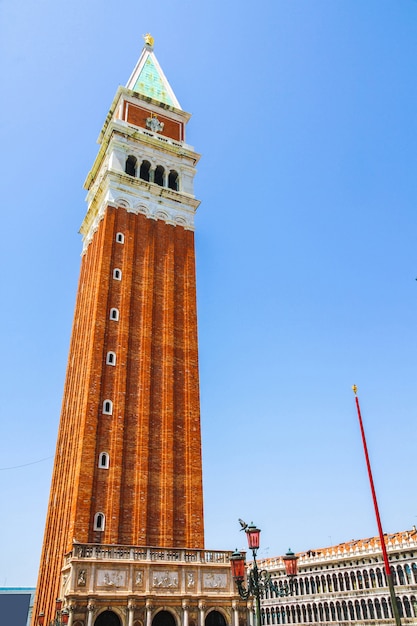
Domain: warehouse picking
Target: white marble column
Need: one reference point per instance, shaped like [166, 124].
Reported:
[71, 609]
[201, 610]
[148, 613]
[185, 609]
[131, 612]
[90, 610]
[235, 613]
[250, 613]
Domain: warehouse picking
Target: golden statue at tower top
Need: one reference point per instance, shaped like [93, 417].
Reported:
[149, 40]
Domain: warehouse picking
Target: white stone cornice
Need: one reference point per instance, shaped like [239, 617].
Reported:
[148, 199]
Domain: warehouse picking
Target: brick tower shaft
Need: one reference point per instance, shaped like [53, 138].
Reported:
[128, 460]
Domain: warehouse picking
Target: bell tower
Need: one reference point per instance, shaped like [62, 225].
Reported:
[124, 533]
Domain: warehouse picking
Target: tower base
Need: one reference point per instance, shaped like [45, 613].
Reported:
[112, 585]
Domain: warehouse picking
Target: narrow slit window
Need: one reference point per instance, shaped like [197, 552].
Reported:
[120, 238]
[99, 521]
[114, 314]
[104, 460]
[111, 358]
[108, 407]
[117, 274]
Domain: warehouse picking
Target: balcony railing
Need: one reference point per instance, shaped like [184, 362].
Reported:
[134, 553]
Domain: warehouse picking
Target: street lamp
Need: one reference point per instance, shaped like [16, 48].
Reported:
[259, 580]
[61, 615]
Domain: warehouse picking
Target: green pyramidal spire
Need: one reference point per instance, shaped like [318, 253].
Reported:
[149, 80]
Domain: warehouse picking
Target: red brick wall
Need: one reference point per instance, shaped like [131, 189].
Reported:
[152, 492]
[138, 115]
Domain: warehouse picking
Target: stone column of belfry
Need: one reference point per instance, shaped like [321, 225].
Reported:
[128, 459]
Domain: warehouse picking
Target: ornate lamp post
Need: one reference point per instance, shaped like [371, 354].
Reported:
[259, 580]
[61, 615]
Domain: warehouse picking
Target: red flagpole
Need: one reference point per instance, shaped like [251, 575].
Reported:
[378, 519]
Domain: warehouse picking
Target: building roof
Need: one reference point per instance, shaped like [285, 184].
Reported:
[149, 80]
[399, 540]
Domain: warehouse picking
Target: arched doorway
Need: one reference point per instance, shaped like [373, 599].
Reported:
[214, 618]
[163, 618]
[107, 618]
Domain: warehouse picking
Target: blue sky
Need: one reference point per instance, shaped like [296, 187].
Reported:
[305, 114]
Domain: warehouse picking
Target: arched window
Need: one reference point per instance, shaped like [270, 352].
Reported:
[120, 238]
[407, 607]
[366, 579]
[345, 611]
[371, 610]
[364, 609]
[114, 314]
[159, 176]
[108, 407]
[341, 585]
[414, 605]
[400, 607]
[359, 579]
[401, 577]
[407, 572]
[333, 611]
[117, 274]
[351, 610]
[99, 521]
[373, 579]
[145, 169]
[385, 608]
[378, 609]
[379, 577]
[335, 583]
[131, 164]
[339, 611]
[111, 358]
[103, 460]
[173, 180]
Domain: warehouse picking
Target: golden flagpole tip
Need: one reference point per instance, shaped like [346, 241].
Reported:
[355, 389]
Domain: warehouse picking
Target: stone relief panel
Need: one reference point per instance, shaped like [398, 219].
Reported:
[165, 580]
[111, 578]
[213, 580]
[190, 579]
[138, 578]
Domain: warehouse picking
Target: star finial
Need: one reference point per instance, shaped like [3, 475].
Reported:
[354, 389]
